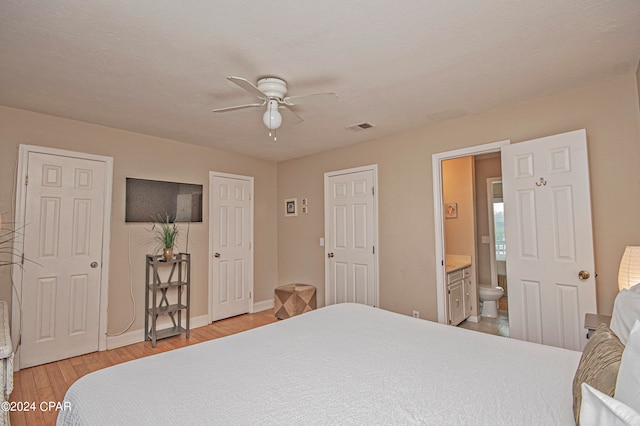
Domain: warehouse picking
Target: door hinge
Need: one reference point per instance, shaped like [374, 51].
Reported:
[249, 295]
[373, 191]
[374, 249]
[249, 245]
[26, 180]
[22, 260]
[250, 196]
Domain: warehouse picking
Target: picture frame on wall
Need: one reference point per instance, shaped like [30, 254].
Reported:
[451, 210]
[291, 207]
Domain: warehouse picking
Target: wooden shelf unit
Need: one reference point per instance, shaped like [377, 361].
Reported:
[157, 300]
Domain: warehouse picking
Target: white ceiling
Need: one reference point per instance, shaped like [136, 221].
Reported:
[159, 67]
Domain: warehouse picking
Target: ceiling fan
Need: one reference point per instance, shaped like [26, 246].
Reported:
[271, 91]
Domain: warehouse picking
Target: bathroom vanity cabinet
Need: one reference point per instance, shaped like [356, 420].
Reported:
[459, 293]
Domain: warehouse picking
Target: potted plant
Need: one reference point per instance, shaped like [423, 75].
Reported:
[166, 232]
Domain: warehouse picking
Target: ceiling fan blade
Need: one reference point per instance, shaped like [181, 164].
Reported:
[233, 108]
[248, 86]
[289, 115]
[317, 98]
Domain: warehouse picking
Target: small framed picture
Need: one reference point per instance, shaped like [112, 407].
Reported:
[451, 210]
[290, 207]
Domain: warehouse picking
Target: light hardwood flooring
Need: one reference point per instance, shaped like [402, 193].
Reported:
[49, 382]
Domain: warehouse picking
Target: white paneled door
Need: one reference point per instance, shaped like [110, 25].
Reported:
[351, 234]
[63, 235]
[231, 219]
[549, 242]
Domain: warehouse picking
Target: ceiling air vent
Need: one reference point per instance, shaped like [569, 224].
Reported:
[361, 126]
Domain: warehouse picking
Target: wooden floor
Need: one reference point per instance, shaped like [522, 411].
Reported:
[49, 382]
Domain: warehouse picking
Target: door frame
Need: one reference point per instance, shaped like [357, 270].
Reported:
[20, 209]
[492, 232]
[250, 179]
[327, 214]
[438, 212]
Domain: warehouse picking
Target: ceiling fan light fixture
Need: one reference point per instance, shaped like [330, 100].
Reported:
[272, 118]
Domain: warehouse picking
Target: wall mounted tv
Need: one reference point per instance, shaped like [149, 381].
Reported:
[146, 199]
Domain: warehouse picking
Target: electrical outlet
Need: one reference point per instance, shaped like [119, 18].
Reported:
[416, 314]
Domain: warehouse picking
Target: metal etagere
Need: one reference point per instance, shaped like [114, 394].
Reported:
[157, 297]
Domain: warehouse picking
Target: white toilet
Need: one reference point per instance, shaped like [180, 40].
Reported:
[489, 297]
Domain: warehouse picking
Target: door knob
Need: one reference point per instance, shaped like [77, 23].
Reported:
[94, 264]
[584, 275]
[330, 255]
[216, 255]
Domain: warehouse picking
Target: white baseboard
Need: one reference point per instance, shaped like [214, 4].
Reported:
[263, 306]
[137, 336]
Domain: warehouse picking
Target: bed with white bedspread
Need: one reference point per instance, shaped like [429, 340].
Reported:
[342, 364]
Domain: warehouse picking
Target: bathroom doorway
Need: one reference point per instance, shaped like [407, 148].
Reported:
[490, 247]
[486, 163]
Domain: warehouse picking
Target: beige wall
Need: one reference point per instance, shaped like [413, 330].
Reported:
[460, 232]
[141, 156]
[457, 187]
[609, 112]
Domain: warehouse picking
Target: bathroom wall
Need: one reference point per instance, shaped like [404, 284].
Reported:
[458, 187]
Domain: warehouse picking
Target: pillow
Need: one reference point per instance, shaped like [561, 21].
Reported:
[600, 409]
[626, 309]
[598, 365]
[628, 386]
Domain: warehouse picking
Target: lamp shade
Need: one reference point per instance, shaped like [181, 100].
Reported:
[629, 273]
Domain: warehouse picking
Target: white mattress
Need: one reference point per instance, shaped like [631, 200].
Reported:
[343, 364]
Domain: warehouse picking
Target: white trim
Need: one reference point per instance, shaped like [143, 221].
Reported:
[440, 246]
[137, 336]
[263, 306]
[250, 179]
[492, 232]
[327, 271]
[16, 271]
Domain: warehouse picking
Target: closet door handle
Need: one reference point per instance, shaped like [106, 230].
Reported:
[584, 275]
[216, 255]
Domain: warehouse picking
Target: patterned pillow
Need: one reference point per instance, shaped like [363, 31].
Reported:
[598, 365]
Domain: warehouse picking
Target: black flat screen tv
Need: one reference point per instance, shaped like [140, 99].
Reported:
[149, 199]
